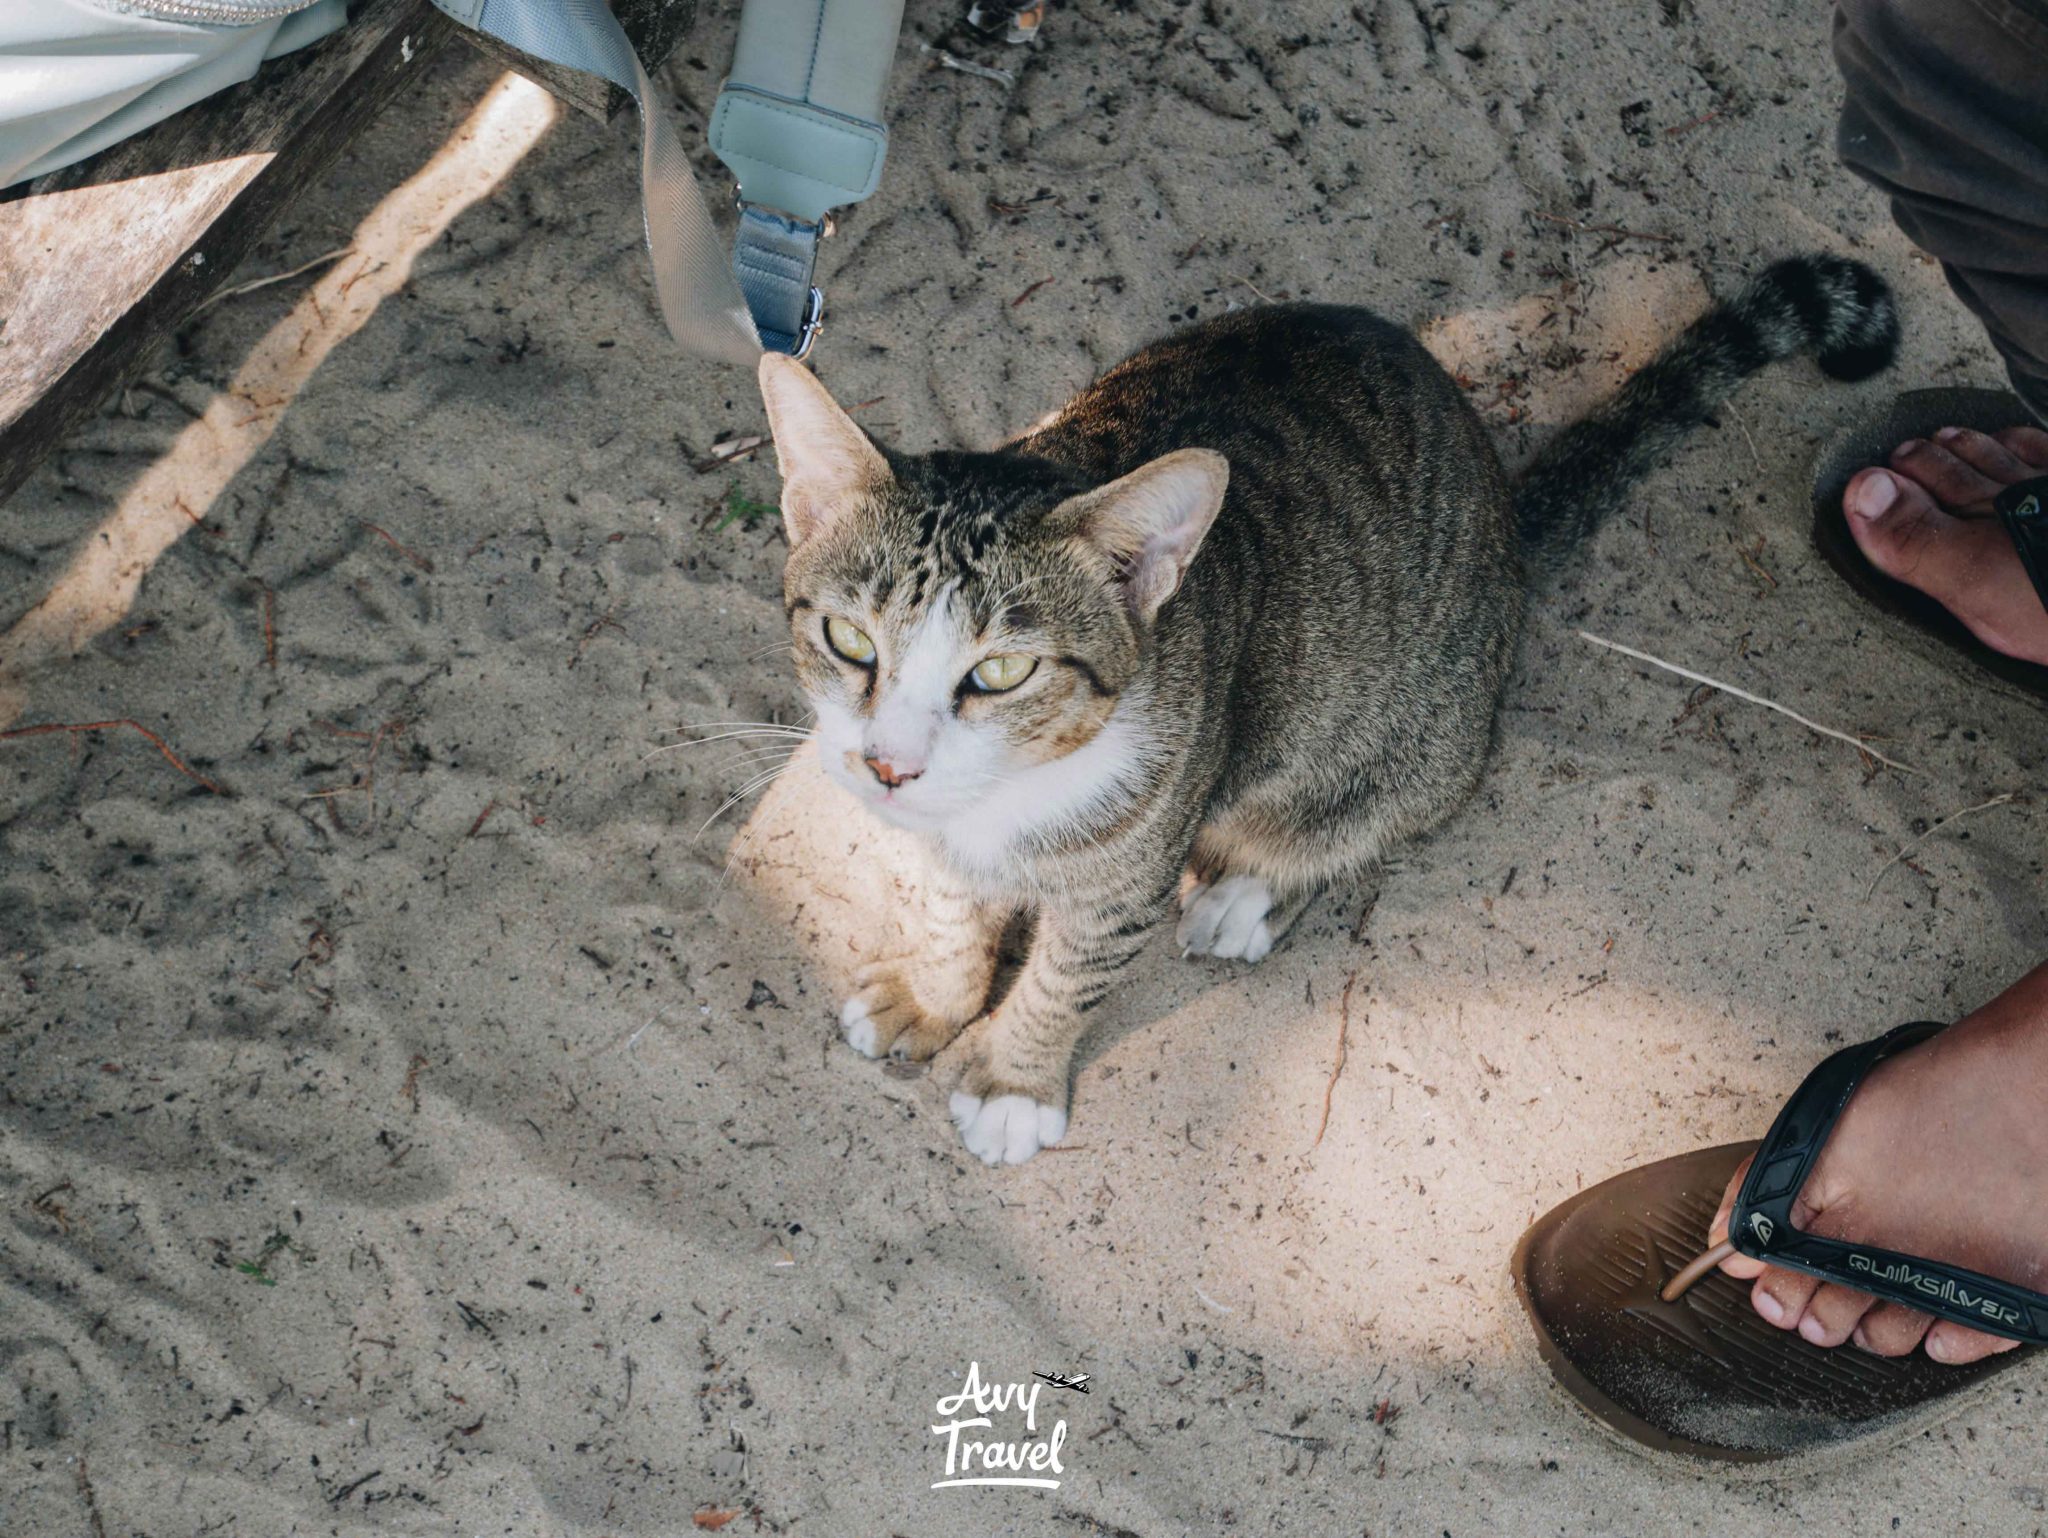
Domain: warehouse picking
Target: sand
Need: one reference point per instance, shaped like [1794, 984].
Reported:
[445, 1130]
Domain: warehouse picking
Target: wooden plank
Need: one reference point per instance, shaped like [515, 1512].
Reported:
[653, 26]
[100, 261]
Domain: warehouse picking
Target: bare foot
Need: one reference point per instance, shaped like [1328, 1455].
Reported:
[1943, 1153]
[1928, 522]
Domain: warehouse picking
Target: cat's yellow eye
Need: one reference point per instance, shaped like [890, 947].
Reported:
[994, 675]
[850, 641]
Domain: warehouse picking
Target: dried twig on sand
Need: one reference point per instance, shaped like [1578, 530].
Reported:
[603, 622]
[411, 555]
[1755, 699]
[1932, 828]
[270, 627]
[1343, 1051]
[366, 785]
[729, 452]
[277, 277]
[162, 747]
[967, 67]
[410, 1090]
[1751, 559]
[1601, 229]
[91, 1499]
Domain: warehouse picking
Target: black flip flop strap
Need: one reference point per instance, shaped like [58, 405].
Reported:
[1761, 1226]
[2023, 508]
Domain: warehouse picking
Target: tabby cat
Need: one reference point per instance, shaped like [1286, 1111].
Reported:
[1226, 628]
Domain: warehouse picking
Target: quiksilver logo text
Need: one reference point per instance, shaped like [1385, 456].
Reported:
[1942, 1287]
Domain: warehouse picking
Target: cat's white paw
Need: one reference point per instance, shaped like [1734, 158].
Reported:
[1226, 919]
[1007, 1129]
[858, 1028]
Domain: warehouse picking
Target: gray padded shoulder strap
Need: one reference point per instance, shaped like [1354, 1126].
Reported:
[800, 118]
[799, 123]
[824, 142]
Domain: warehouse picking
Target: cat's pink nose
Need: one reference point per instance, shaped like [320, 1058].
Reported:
[891, 775]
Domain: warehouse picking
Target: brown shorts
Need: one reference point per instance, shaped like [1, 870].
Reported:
[1947, 111]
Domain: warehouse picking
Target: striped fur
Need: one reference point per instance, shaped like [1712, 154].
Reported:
[1272, 577]
[1838, 310]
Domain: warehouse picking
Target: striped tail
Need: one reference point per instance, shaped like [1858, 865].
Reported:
[1838, 310]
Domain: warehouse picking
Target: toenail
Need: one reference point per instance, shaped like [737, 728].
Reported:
[1862, 1341]
[1909, 447]
[1874, 497]
[1812, 1329]
[1948, 435]
[1770, 1308]
[1937, 1347]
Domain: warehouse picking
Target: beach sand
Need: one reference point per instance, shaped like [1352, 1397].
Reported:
[446, 1131]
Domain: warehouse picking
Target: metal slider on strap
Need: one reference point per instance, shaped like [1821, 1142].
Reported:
[775, 258]
[795, 162]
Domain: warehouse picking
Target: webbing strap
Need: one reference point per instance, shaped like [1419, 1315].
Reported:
[700, 300]
[773, 260]
[799, 123]
[1760, 1224]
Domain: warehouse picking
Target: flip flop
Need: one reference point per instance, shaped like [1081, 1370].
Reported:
[1870, 441]
[1664, 1350]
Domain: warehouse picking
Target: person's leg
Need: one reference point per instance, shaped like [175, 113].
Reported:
[1945, 109]
[1942, 1153]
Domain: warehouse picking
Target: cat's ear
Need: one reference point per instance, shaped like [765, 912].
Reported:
[827, 462]
[1151, 522]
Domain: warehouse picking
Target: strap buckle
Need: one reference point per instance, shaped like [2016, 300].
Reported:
[814, 322]
[774, 259]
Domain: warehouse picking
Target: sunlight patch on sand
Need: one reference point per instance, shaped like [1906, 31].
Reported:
[176, 492]
[1459, 1106]
[1548, 357]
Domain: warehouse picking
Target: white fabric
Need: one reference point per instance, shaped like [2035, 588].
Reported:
[76, 77]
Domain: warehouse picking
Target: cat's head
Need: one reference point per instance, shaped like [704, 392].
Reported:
[961, 618]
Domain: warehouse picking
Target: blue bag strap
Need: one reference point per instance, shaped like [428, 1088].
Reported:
[799, 124]
[827, 142]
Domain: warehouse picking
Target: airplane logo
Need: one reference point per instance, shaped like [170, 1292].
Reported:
[1077, 1381]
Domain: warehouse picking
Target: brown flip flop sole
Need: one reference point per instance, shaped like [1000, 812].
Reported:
[1704, 1377]
[1870, 441]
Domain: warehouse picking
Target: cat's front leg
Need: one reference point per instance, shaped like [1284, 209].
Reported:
[1008, 1072]
[912, 1006]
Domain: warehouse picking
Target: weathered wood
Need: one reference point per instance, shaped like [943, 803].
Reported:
[100, 261]
[654, 28]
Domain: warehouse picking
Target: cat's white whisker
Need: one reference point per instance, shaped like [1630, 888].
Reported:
[756, 731]
[748, 725]
[758, 782]
[705, 726]
[793, 738]
[763, 755]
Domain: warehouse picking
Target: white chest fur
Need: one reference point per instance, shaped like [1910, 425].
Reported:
[990, 842]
